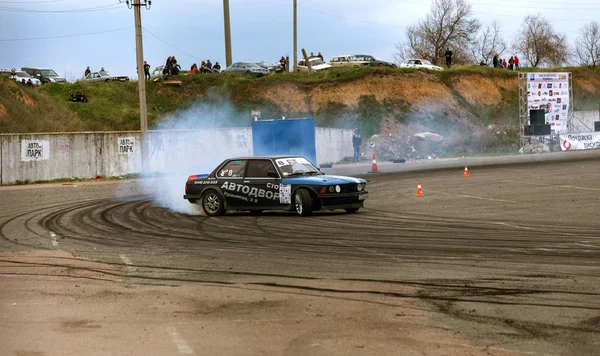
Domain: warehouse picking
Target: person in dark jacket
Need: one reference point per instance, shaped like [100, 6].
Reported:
[87, 71]
[356, 143]
[217, 67]
[146, 70]
[495, 61]
[448, 55]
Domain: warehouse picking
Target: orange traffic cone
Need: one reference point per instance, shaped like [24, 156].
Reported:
[419, 190]
[374, 165]
[466, 174]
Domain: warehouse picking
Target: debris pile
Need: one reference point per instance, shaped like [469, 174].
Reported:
[390, 147]
[534, 146]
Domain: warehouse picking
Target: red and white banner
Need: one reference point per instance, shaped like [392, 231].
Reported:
[580, 141]
[550, 92]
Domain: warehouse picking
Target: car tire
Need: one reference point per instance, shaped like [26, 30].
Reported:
[352, 210]
[107, 80]
[303, 202]
[213, 203]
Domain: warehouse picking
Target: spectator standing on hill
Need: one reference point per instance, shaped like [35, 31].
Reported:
[504, 63]
[516, 62]
[282, 61]
[511, 62]
[208, 64]
[320, 55]
[87, 71]
[448, 55]
[495, 61]
[146, 70]
[217, 67]
[356, 143]
[168, 63]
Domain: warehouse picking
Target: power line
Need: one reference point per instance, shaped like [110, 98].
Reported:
[170, 45]
[63, 36]
[30, 2]
[89, 9]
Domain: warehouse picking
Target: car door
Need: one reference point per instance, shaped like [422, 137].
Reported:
[264, 182]
[231, 177]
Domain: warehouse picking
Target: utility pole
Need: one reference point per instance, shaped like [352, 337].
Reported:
[295, 36]
[227, 33]
[139, 49]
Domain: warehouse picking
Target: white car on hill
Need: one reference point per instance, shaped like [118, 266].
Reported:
[25, 79]
[419, 63]
[316, 63]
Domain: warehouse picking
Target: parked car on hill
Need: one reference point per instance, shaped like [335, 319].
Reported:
[104, 76]
[257, 184]
[44, 75]
[25, 78]
[356, 60]
[272, 67]
[419, 63]
[246, 68]
[316, 64]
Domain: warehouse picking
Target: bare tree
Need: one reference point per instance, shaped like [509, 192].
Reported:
[587, 45]
[540, 44]
[449, 24]
[488, 43]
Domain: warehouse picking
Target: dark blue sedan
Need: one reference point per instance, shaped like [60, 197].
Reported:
[257, 184]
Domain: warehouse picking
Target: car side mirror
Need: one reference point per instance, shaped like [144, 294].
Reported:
[272, 174]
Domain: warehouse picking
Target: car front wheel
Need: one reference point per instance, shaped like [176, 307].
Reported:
[213, 203]
[303, 202]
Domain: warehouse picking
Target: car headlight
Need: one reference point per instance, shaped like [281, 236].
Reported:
[360, 187]
[338, 189]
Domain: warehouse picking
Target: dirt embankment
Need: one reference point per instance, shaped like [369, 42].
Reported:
[473, 109]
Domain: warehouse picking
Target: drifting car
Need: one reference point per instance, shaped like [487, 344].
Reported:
[316, 64]
[289, 183]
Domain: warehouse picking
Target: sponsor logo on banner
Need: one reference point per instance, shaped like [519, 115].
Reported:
[35, 150]
[581, 141]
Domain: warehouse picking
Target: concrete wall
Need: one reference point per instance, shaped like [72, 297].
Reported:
[583, 121]
[36, 157]
[333, 145]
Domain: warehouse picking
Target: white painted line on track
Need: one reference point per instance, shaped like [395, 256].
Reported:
[181, 344]
[574, 187]
[128, 262]
[476, 197]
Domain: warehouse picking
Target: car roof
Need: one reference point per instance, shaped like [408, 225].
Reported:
[262, 157]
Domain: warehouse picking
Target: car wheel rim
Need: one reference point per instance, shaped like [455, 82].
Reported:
[298, 202]
[212, 203]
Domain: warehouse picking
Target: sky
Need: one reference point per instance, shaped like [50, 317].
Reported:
[68, 35]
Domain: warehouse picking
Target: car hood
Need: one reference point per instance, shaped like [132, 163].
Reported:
[321, 180]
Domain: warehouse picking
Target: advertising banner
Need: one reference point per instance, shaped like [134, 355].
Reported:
[580, 141]
[550, 92]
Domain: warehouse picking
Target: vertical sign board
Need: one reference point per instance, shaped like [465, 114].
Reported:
[285, 137]
[550, 92]
[35, 150]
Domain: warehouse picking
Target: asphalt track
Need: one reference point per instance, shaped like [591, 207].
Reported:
[509, 257]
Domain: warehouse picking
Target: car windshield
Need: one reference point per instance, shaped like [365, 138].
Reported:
[104, 74]
[48, 73]
[290, 166]
[23, 75]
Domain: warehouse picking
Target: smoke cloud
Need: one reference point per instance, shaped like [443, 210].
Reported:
[192, 141]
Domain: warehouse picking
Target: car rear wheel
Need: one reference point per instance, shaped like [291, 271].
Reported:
[352, 210]
[213, 203]
[303, 202]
